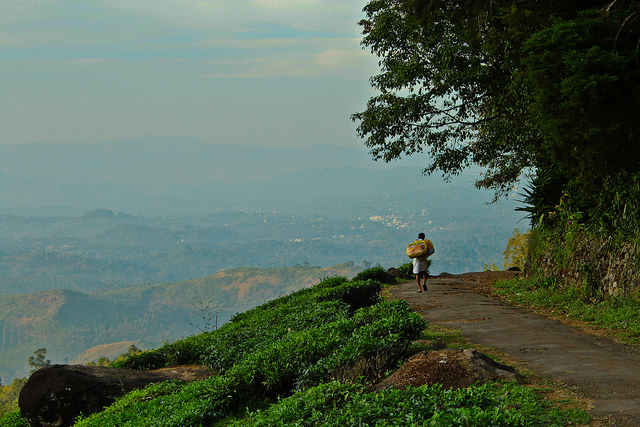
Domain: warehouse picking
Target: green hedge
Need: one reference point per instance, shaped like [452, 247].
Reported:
[13, 419]
[335, 405]
[270, 352]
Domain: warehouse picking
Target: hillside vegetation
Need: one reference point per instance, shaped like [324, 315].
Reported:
[307, 359]
[68, 323]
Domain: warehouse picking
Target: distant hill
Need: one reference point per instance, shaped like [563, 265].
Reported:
[110, 351]
[69, 324]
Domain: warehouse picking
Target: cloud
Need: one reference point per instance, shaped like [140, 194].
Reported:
[343, 64]
[333, 58]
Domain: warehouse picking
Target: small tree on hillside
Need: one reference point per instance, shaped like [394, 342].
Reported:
[38, 360]
[515, 254]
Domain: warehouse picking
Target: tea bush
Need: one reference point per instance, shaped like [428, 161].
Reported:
[332, 299]
[270, 352]
[13, 419]
[276, 364]
[406, 271]
[376, 273]
[337, 404]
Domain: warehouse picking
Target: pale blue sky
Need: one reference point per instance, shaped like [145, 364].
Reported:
[265, 72]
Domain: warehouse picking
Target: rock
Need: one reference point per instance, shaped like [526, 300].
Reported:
[486, 368]
[451, 368]
[388, 278]
[394, 272]
[56, 395]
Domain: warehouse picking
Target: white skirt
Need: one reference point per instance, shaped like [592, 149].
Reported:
[420, 265]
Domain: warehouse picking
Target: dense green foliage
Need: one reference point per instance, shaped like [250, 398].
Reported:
[544, 86]
[13, 419]
[567, 253]
[544, 90]
[336, 404]
[9, 396]
[288, 344]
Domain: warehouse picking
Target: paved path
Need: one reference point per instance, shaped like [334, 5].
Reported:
[604, 372]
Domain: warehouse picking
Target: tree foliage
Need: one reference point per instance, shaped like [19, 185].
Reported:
[38, 360]
[584, 79]
[510, 86]
[515, 254]
[9, 396]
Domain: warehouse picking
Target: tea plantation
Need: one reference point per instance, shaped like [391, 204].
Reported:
[306, 359]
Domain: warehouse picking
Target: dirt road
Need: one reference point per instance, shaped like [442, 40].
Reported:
[605, 373]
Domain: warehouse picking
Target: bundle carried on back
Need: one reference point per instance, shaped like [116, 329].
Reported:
[420, 249]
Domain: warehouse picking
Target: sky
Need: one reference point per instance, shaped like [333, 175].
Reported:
[252, 72]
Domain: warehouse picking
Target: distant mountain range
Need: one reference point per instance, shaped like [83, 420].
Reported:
[184, 175]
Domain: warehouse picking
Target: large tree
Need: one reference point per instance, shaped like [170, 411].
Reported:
[509, 85]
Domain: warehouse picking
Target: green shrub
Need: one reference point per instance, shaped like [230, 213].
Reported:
[333, 298]
[406, 271]
[356, 294]
[376, 273]
[273, 351]
[336, 404]
[13, 419]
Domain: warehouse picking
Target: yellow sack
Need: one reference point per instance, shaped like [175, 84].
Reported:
[420, 248]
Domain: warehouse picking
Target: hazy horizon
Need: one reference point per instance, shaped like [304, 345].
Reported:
[159, 175]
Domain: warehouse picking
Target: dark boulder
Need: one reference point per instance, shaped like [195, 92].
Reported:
[56, 395]
[394, 272]
[387, 278]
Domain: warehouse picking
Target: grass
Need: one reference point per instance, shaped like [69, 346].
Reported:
[618, 317]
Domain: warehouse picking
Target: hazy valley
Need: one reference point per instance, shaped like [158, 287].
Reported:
[121, 242]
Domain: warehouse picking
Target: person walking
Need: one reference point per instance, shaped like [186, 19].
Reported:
[421, 268]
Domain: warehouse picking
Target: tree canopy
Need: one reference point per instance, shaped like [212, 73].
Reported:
[509, 85]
